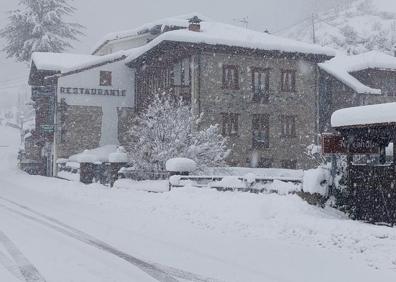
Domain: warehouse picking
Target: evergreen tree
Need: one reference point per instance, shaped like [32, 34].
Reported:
[165, 130]
[39, 26]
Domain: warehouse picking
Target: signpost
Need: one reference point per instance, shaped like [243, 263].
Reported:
[48, 128]
[336, 144]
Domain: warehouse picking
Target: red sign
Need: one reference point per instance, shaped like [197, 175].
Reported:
[336, 144]
[333, 144]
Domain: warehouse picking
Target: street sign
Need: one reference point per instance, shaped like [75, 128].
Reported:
[47, 128]
[336, 144]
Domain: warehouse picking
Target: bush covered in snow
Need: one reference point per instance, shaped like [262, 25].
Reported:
[317, 181]
[165, 130]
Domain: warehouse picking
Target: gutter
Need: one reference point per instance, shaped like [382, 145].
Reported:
[58, 75]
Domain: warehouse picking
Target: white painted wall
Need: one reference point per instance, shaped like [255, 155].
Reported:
[123, 78]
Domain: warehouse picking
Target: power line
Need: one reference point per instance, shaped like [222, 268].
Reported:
[12, 86]
[336, 27]
[21, 79]
[292, 25]
[329, 17]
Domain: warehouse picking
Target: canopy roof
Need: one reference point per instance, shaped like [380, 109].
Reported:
[365, 115]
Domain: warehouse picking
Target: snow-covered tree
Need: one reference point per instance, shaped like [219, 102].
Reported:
[39, 26]
[165, 130]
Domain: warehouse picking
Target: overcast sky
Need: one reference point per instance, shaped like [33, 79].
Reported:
[103, 16]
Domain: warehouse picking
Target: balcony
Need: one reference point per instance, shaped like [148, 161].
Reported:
[261, 96]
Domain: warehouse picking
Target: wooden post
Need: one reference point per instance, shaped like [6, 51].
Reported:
[394, 151]
[349, 161]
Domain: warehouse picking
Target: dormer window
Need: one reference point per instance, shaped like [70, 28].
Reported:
[105, 78]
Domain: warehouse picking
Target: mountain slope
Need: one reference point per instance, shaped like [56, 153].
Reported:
[357, 26]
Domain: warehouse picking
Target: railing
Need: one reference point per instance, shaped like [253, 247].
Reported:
[261, 96]
[246, 185]
[139, 175]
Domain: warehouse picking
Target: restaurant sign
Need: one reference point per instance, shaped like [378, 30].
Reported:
[336, 144]
[93, 91]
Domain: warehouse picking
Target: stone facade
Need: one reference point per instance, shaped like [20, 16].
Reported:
[301, 103]
[211, 101]
[81, 130]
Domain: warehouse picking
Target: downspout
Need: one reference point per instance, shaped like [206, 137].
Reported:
[317, 104]
[199, 85]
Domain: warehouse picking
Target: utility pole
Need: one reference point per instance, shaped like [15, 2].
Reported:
[244, 21]
[313, 29]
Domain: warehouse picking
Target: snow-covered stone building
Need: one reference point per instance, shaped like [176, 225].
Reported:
[94, 95]
[263, 90]
[348, 81]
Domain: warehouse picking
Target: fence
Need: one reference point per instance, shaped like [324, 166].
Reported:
[287, 181]
[238, 183]
[140, 175]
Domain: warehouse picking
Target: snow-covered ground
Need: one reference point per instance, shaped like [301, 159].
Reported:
[71, 232]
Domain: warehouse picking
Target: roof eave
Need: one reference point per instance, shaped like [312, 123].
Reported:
[205, 46]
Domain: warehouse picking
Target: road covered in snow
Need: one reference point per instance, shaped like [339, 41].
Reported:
[54, 230]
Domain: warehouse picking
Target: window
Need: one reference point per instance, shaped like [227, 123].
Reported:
[288, 83]
[230, 77]
[181, 73]
[230, 124]
[288, 124]
[260, 128]
[105, 78]
[260, 85]
[289, 164]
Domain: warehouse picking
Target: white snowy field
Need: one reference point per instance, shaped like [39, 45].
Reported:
[68, 232]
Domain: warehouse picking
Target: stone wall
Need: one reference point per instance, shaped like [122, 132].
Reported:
[81, 129]
[214, 100]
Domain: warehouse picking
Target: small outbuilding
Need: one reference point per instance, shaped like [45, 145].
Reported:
[368, 134]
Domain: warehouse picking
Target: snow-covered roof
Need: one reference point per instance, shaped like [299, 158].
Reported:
[59, 61]
[177, 21]
[364, 115]
[342, 66]
[100, 154]
[96, 60]
[68, 63]
[213, 33]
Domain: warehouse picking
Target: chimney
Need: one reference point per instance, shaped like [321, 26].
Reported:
[194, 24]
[394, 50]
